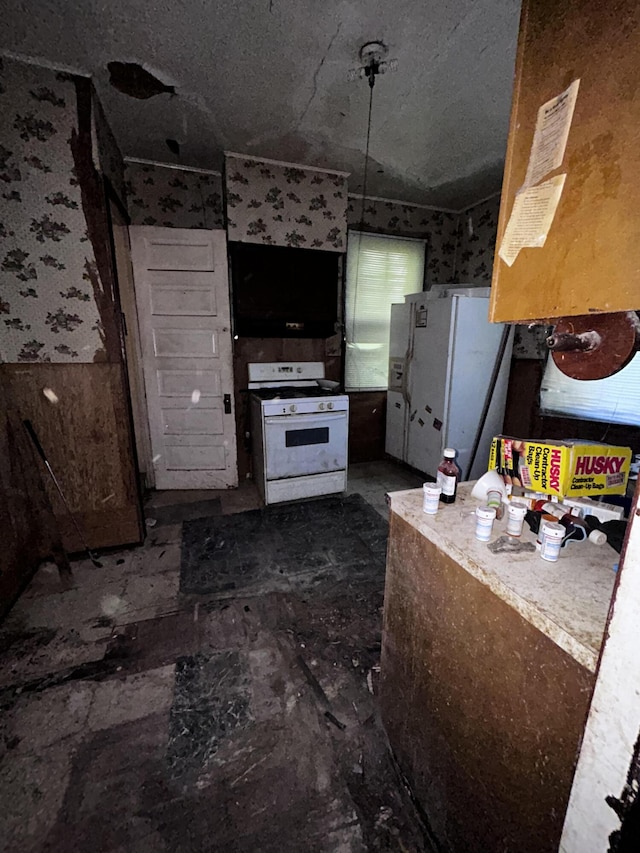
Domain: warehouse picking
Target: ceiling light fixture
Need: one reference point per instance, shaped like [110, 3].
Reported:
[373, 58]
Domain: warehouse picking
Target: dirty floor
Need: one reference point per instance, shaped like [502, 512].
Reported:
[211, 690]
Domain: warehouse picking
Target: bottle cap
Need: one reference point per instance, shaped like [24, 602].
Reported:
[449, 453]
[487, 512]
[431, 489]
[554, 531]
[598, 537]
[517, 510]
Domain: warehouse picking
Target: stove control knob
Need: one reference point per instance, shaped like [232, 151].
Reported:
[329, 405]
[293, 408]
[320, 406]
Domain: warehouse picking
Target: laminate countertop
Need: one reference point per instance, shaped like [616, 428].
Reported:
[567, 600]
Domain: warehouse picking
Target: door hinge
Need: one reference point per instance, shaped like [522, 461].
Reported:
[227, 404]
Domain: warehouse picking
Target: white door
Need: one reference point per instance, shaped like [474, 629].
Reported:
[182, 293]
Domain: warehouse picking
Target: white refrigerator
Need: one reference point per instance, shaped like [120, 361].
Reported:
[442, 352]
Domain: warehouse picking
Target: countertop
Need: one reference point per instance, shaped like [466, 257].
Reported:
[567, 600]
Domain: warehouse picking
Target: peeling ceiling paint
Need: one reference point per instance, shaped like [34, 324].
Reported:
[269, 78]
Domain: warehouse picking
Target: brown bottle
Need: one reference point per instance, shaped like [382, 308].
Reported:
[447, 477]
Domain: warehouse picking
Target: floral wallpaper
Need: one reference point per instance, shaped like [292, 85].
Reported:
[173, 198]
[47, 265]
[437, 227]
[283, 204]
[477, 242]
[529, 343]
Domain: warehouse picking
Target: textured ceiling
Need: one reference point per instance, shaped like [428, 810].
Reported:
[270, 78]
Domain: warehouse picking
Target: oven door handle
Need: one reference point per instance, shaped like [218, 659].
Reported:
[288, 420]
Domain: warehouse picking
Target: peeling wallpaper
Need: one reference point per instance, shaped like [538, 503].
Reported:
[437, 227]
[173, 198]
[284, 204]
[48, 310]
[106, 154]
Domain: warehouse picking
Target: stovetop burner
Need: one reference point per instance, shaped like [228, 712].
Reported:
[291, 393]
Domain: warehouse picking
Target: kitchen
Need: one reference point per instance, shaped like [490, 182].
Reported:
[461, 238]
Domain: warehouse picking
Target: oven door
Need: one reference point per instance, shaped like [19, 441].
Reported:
[296, 445]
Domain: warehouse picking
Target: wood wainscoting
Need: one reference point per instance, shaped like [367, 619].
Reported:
[367, 425]
[86, 435]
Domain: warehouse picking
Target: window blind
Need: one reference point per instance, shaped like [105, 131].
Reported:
[615, 399]
[380, 271]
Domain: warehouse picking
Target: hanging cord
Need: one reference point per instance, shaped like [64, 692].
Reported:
[372, 70]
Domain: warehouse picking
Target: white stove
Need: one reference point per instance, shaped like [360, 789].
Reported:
[299, 431]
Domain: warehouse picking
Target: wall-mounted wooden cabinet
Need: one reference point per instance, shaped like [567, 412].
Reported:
[591, 259]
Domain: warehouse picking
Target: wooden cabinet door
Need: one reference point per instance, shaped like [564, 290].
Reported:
[591, 259]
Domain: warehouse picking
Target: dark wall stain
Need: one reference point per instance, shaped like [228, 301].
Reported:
[96, 215]
[627, 807]
[132, 79]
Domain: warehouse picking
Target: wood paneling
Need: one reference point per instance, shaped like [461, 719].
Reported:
[29, 529]
[86, 436]
[591, 258]
[367, 424]
[483, 711]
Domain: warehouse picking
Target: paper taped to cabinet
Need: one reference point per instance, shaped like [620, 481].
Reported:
[551, 135]
[531, 218]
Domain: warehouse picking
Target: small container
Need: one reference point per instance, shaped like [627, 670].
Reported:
[598, 537]
[430, 498]
[515, 518]
[544, 519]
[485, 516]
[448, 473]
[552, 536]
[494, 499]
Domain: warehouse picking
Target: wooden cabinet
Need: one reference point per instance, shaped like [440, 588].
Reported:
[488, 661]
[591, 259]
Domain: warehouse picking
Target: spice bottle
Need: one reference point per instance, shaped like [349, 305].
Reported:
[447, 477]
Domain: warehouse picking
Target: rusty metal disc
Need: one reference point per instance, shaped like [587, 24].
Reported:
[616, 349]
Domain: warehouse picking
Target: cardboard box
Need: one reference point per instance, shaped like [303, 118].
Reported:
[561, 468]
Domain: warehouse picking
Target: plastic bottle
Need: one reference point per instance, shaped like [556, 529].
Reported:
[515, 518]
[494, 499]
[552, 536]
[447, 478]
[430, 498]
[485, 516]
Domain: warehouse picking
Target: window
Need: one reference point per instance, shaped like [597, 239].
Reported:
[613, 400]
[380, 270]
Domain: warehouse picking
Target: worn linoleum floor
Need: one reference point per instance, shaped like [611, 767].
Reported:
[140, 713]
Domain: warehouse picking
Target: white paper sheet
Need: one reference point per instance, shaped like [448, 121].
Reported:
[551, 134]
[531, 218]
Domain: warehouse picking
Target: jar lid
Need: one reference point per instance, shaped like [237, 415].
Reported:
[554, 531]
[449, 453]
[432, 488]
[486, 512]
[518, 510]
